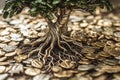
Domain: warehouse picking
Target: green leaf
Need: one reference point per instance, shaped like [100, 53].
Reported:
[109, 6]
[33, 11]
[7, 6]
[55, 2]
[50, 16]
[50, 6]
[40, 2]
[12, 13]
[5, 15]
[18, 11]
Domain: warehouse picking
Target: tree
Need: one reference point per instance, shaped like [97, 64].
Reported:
[54, 46]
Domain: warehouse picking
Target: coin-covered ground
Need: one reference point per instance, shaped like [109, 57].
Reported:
[99, 35]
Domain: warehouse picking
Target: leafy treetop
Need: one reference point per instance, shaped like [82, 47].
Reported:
[47, 8]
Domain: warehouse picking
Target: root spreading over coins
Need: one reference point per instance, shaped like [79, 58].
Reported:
[54, 47]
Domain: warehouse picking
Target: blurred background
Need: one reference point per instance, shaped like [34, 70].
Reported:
[116, 3]
[2, 2]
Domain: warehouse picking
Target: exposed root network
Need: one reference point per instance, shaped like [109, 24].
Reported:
[53, 48]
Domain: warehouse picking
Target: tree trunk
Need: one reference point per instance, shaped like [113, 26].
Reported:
[55, 47]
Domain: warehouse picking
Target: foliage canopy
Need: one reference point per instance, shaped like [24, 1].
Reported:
[48, 7]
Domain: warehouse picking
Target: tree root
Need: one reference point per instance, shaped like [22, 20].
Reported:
[53, 49]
